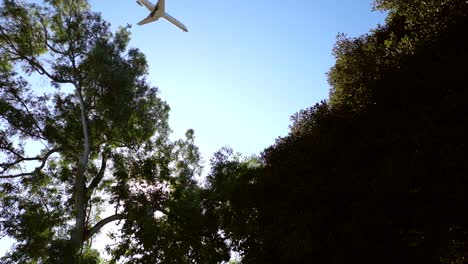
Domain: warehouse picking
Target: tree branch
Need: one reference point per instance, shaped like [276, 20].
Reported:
[17, 97]
[19, 159]
[25, 132]
[37, 169]
[89, 233]
[46, 39]
[95, 182]
[32, 62]
[42, 71]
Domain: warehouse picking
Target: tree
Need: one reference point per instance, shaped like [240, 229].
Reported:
[417, 108]
[103, 135]
[377, 173]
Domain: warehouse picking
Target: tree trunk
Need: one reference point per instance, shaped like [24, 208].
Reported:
[77, 237]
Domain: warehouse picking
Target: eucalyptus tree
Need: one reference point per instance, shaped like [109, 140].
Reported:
[81, 128]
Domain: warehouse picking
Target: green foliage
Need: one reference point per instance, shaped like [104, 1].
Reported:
[104, 136]
[233, 199]
[185, 233]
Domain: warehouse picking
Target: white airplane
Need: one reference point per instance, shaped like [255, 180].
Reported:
[158, 12]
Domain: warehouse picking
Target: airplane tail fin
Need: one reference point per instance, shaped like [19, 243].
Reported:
[176, 22]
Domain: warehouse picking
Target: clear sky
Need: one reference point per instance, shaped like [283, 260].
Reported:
[244, 67]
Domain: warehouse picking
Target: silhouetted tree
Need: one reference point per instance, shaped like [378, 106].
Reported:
[375, 175]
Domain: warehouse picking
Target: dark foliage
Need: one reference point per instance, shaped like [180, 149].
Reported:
[378, 173]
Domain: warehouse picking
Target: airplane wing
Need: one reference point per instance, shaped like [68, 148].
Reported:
[147, 20]
[175, 21]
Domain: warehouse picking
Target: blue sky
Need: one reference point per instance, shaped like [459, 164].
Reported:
[244, 67]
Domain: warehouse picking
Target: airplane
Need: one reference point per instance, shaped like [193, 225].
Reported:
[158, 12]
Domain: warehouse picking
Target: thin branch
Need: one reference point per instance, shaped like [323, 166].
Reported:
[27, 110]
[89, 233]
[21, 158]
[24, 131]
[11, 150]
[46, 39]
[42, 71]
[37, 169]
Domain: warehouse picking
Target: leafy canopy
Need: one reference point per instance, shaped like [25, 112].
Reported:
[96, 137]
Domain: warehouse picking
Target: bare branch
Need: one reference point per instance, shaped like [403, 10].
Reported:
[21, 158]
[37, 169]
[89, 233]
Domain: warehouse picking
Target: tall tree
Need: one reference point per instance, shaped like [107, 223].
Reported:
[103, 135]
